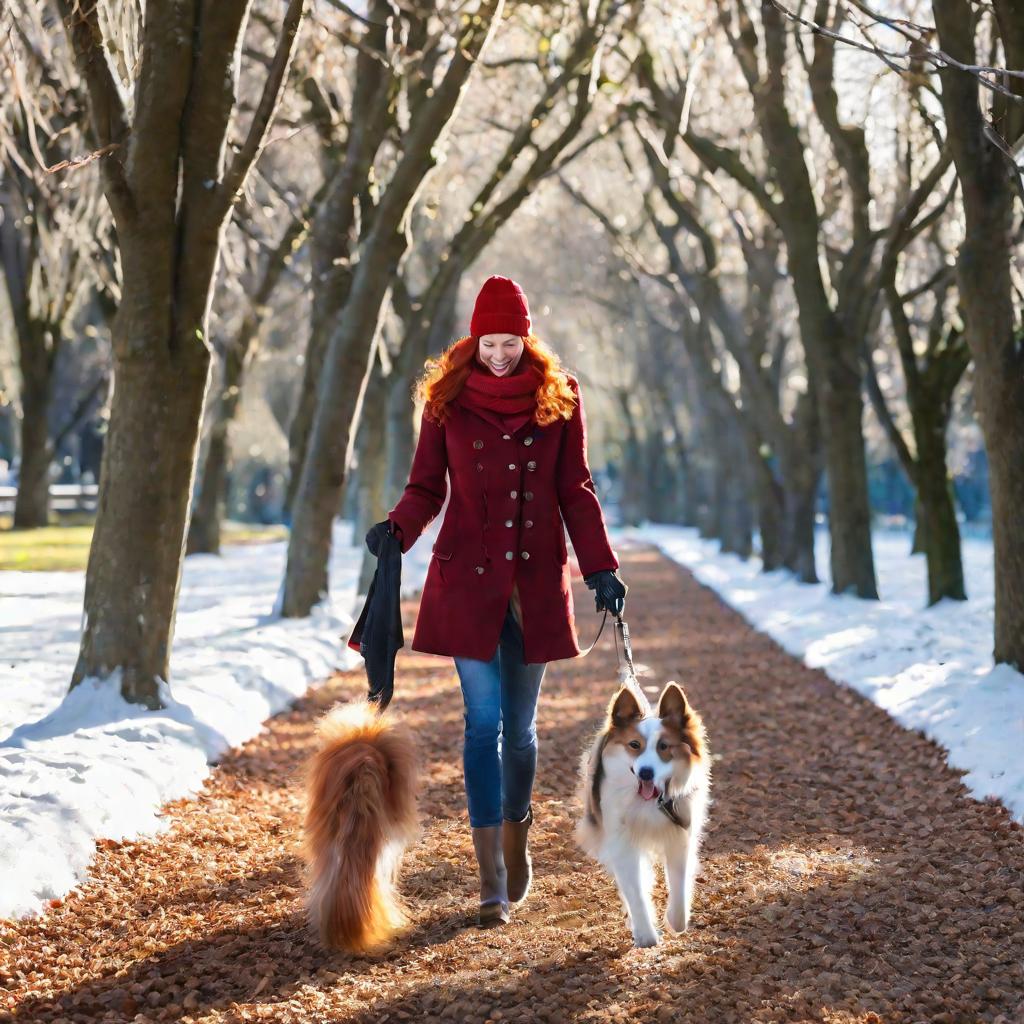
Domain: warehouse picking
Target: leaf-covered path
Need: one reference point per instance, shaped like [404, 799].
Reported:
[846, 875]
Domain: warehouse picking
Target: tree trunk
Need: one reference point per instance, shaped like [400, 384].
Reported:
[691, 492]
[770, 516]
[400, 429]
[312, 374]
[1004, 403]
[940, 533]
[372, 470]
[204, 532]
[633, 473]
[328, 453]
[986, 291]
[917, 543]
[737, 515]
[134, 568]
[801, 477]
[801, 497]
[32, 505]
[987, 295]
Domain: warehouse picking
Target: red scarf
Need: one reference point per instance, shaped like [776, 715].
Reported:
[508, 396]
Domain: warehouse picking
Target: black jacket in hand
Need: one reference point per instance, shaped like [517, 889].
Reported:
[377, 635]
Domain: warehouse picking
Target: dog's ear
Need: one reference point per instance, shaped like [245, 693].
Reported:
[672, 705]
[625, 708]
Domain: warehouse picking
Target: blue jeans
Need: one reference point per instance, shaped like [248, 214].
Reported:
[500, 698]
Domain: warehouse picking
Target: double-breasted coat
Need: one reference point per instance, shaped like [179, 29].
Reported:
[513, 495]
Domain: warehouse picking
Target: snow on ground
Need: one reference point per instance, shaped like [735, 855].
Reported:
[84, 765]
[930, 668]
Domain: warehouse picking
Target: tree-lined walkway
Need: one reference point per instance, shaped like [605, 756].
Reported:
[846, 875]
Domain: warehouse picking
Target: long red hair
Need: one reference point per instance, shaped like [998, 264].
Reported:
[443, 377]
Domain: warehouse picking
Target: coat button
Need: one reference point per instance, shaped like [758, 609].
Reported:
[513, 494]
[507, 437]
[511, 465]
[528, 495]
[527, 440]
[528, 523]
[510, 555]
[478, 444]
[525, 554]
[508, 522]
[479, 465]
[531, 465]
[479, 570]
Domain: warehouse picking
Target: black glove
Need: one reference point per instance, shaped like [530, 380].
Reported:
[375, 535]
[609, 590]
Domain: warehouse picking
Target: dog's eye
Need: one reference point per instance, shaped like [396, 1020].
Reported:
[634, 744]
[662, 745]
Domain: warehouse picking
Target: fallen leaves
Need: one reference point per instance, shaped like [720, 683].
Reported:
[845, 876]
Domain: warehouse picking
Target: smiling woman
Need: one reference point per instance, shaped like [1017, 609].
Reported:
[503, 429]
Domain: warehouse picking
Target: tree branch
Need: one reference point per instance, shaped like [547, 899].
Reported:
[250, 148]
[107, 117]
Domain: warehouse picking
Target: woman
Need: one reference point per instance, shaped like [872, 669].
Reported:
[505, 422]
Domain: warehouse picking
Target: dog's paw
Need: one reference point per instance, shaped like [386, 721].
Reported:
[645, 938]
[677, 919]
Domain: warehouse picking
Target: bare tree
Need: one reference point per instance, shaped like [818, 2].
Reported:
[983, 139]
[345, 216]
[354, 336]
[830, 328]
[170, 183]
[54, 232]
[236, 353]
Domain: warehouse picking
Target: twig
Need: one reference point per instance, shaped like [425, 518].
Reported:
[923, 53]
[80, 161]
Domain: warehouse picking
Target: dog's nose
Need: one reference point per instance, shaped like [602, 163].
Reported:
[646, 774]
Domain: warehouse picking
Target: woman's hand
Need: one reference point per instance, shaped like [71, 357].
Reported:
[375, 535]
[609, 590]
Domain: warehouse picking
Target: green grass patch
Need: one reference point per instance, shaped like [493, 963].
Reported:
[65, 547]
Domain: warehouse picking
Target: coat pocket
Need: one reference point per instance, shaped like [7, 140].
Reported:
[443, 559]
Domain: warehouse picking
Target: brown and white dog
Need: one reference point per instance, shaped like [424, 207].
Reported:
[644, 785]
[361, 814]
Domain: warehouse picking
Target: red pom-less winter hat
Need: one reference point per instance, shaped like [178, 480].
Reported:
[501, 308]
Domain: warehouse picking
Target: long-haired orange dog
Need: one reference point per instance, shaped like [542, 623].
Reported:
[361, 795]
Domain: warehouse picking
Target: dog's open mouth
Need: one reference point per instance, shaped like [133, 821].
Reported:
[647, 789]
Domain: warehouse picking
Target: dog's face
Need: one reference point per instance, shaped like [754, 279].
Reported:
[657, 750]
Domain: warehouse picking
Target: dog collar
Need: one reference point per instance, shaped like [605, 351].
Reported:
[667, 807]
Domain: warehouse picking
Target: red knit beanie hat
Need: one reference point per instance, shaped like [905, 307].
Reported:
[501, 308]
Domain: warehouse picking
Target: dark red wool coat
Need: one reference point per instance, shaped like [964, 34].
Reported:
[511, 491]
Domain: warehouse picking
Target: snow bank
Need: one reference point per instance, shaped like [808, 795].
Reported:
[930, 668]
[82, 765]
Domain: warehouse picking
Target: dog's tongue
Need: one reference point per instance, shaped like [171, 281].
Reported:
[648, 790]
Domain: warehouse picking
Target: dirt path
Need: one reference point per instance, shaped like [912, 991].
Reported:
[846, 875]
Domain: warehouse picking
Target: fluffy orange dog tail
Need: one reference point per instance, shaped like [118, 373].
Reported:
[360, 815]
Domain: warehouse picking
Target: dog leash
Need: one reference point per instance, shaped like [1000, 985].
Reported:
[621, 630]
[627, 648]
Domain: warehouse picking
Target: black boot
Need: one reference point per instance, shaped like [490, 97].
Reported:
[517, 856]
[493, 878]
